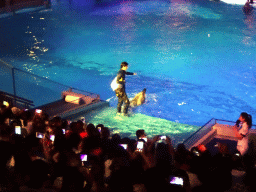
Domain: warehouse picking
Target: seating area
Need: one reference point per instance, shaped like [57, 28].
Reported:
[39, 153]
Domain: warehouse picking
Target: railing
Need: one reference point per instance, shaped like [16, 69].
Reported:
[16, 101]
[206, 129]
[33, 87]
[220, 121]
[199, 133]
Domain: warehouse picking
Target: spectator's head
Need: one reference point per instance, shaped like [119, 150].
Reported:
[140, 133]
[138, 163]
[156, 180]
[6, 132]
[73, 140]
[121, 180]
[39, 122]
[181, 148]
[16, 111]
[6, 151]
[38, 125]
[245, 117]
[2, 108]
[5, 113]
[64, 123]
[15, 122]
[120, 160]
[91, 145]
[77, 127]
[132, 145]
[72, 127]
[125, 140]
[92, 131]
[105, 133]
[25, 116]
[32, 143]
[116, 138]
[163, 157]
[81, 125]
[44, 116]
[72, 180]
[55, 122]
[182, 155]
[38, 173]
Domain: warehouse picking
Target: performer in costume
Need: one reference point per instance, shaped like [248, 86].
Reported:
[120, 91]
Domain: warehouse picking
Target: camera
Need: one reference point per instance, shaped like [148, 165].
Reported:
[124, 146]
[39, 135]
[17, 130]
[140, 145]
[237, 154]
[52, 137]
[196, 153]
[84, 159]
[176, 180]
[38, 111]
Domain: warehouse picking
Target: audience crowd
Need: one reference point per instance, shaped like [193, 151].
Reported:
[42, 154]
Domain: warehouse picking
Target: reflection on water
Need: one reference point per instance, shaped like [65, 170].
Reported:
[203, 44]
[250, 30]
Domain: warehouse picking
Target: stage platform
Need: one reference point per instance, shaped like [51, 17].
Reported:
[127, 126]
[68, 110]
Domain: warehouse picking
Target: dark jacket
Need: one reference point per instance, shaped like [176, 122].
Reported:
[121, 77]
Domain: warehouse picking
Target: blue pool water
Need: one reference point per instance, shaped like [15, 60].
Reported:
[196, 58]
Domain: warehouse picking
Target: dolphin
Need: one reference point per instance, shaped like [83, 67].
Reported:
[139, 99]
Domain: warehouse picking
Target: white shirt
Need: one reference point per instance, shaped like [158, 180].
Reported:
[242, 144]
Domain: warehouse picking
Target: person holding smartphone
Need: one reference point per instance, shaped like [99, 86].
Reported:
[140, 146]
[15, 117]
[140, 134]
[18, 130]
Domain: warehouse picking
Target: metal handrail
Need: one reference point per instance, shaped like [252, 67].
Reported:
[7, 64]
[17, 97]
[52, 81]
[25, 102]
[39, 77]
[197, 131]
[216, 121]
[253, 126]
[13, 79]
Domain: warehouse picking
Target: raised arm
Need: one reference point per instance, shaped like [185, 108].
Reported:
[129, 73]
